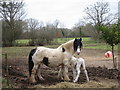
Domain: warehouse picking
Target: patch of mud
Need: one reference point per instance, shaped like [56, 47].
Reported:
[99, 76]
[103, 72]
[19, 78]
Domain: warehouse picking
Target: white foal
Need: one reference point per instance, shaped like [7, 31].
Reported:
[76, 64]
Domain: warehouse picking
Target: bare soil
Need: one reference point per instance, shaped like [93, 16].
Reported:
[100, 71]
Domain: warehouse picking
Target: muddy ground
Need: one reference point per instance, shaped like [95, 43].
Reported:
[100, 71]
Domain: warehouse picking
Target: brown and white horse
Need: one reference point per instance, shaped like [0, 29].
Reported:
[53, 58]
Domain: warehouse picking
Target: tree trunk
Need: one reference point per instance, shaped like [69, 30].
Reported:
[114, 62]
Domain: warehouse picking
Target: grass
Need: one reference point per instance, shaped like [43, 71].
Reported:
[87, 42]
[23, 41]
[16, 52]
[56, 40]
[3, 81]
[100, 46]
[21, 52]
[63, 40]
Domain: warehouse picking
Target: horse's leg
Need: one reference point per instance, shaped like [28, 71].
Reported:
[32, 77]
[85, 71]
[39, 73]
[78, 72]
[60, 73]
[65, 72]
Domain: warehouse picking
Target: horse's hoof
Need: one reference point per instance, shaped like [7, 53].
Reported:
[74, 81]
[42, 79]
[60, 78]
[32, 81]
[67, 80]
[88, 80]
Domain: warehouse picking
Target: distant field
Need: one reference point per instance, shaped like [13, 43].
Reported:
[87, 42]
[63, 40]
[19, 52]
[99, 46]
[58, 40]
[22, 41]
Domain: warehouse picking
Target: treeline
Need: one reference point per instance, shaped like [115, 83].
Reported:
[15, 26]
[42, 34]
[37, 33]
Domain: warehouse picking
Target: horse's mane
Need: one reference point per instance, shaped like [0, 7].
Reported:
[68, 44]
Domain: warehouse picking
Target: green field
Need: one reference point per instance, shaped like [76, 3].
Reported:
[87, 42]
[19, 52]
[58, 40]
[24, 41]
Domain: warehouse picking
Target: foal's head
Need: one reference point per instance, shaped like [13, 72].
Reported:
[77, 45]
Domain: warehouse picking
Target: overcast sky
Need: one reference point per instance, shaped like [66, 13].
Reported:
[68, 12]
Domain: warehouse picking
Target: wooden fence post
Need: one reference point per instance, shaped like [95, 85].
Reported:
[7, 72]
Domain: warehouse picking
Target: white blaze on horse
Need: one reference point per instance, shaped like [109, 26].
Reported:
[53, 58]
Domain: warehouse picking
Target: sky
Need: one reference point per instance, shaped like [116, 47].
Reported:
[68, 12]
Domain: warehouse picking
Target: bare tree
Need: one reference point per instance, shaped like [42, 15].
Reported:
[12, 10]
[58, 26]
[33, 25]
[98, 15]
[12, 13]
[78, 27]
[56, 23]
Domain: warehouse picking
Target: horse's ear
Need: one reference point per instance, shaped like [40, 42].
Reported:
[75, 39]
[80, 39]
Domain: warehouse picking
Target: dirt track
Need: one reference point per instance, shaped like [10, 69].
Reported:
[95, 58]
[97, 66]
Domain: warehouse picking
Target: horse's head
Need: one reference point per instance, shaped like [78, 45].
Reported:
[72, 46]
[77, 45]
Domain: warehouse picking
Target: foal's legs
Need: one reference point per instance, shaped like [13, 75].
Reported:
[74, 72]
[78, 71]
[85, 71]
[32, 77]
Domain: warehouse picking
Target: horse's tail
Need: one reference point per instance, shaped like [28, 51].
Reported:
[30, 61]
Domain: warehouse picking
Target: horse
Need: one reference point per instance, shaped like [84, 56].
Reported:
[53, 58]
